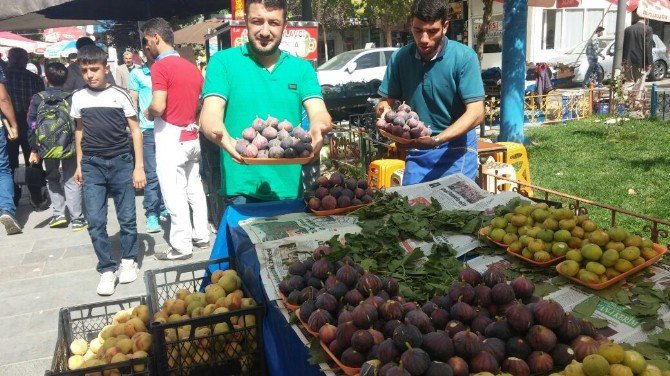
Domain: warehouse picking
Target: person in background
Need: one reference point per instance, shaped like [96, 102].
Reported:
[22, 85]
[203, 68]
[289, 85]
[42, 65]
[176, 86]
[637, 57]
[7, 205]
[122, 71]
[71, 59]
[75, 80]
[441, 81]
[592, 54]
[139, 87]
[49, 117]
[105, 166]
[31, 67]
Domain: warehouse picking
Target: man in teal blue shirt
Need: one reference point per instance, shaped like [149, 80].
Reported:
[257, 80]
[139, 86]
[441, 80]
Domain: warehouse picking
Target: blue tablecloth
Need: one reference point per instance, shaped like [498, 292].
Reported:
[285, 353]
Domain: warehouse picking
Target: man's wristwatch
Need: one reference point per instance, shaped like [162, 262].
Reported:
[437, 141]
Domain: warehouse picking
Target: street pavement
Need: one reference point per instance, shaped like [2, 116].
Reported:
[44, 269]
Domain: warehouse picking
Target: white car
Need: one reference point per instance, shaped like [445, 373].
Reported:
[575, 58]
[362, 65]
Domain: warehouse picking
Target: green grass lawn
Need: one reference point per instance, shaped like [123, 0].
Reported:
[602, 162]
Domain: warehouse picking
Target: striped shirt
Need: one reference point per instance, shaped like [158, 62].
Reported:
[104, 114]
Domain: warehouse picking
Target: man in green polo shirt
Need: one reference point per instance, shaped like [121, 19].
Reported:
[440, 79]
[257, 80]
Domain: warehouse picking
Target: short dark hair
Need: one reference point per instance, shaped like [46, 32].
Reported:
[56, 73]
[17, 56]
[429, 10]
[161, 27]
[84, 41]
[92, 54]
[599, 29]
[269, 4]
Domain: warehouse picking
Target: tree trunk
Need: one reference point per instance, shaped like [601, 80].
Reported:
[388, 37]
[325, 42]
[481, 33]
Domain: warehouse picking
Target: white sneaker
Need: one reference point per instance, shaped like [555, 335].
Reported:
[128, 271]
[107, 284]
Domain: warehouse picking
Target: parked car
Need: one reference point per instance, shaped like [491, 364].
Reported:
[355, 66]
[575, 58]
[351, 78]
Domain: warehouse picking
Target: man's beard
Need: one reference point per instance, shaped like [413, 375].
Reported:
[269, 52]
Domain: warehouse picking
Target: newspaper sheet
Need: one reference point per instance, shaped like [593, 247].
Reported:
[455, 192]
[275, 258]
[297, 225]
[460, 243]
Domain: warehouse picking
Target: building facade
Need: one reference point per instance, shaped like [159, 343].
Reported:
[551, 31]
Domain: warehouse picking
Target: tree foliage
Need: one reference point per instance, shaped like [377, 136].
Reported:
[387, 14]
[333, 14]
[121, 35]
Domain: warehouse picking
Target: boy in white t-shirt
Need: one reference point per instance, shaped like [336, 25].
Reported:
[106, 166]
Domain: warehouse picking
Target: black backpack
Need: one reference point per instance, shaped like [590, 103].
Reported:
[55, 128]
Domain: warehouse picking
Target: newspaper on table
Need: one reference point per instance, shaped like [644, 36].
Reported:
[275, 257]
[455, 192]
[297, 225]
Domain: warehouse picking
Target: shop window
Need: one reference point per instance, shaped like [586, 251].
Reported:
[552, 28]
[593, 18]
[575, 33]
[565, 28]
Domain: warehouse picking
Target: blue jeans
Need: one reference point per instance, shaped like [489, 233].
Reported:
[593, 69]
[153, 200]
[103, 176]
[6, 180]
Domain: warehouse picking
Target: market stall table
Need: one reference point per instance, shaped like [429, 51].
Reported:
[285, 353]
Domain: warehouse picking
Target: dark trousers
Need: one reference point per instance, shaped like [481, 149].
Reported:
[153, 200]
[113, 176]
[13, 154]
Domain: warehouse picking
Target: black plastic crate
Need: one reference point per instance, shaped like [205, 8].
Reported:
[85, 322]
[202, 348]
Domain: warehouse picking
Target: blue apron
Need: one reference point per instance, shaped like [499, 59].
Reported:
[422, 165]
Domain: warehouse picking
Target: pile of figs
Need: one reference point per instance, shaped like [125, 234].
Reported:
[271, 138]
[338, 191]
[483, 324]
[403, 122]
